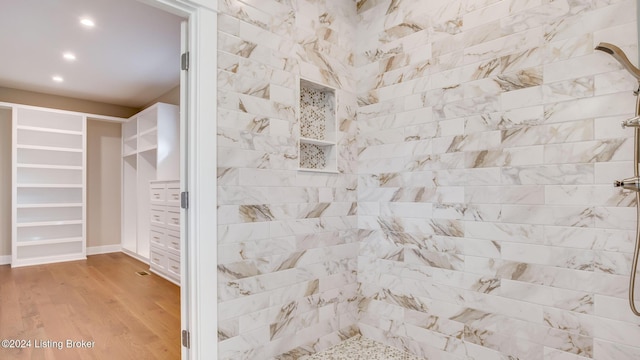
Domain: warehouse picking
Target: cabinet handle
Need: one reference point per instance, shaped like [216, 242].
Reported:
[174, 267]
[156, 194]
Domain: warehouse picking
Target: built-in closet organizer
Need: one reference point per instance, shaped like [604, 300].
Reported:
[150, 150]
[164, 232]
[48, 184]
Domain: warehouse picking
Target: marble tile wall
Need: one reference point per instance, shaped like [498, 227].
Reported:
[488, 141]
[473, 215]
[288, 240]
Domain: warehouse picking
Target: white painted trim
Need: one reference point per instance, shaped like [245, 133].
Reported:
[5, 259]
[202, 169]
[103, 249]
[199, 285]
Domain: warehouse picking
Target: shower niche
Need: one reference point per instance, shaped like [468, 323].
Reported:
[317, 105]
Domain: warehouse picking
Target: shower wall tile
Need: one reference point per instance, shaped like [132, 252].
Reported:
[488, 141]
[473, 216]
[287, 240]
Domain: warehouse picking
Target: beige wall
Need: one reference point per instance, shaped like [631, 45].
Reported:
[103, 183]
[64, 103]
[170, 97]
[5, 182]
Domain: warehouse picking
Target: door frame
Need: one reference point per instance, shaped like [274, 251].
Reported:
[198, 111]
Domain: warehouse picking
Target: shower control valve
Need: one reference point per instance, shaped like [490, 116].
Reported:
[633, 122]
[632, 183]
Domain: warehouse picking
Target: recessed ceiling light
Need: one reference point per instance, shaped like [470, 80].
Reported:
[69, 56]
[87, 22]
[57, 78]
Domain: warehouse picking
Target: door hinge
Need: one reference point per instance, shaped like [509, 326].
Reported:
[184, 61]
[186, 339]
[184, 200]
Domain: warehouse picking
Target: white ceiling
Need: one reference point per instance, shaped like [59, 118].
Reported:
[129, 58]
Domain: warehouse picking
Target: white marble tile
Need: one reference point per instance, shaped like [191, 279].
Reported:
[479, 140]
[606, 350]
[590, 21]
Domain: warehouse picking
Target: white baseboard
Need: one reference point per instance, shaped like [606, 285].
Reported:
[105, 249]
[93, 250]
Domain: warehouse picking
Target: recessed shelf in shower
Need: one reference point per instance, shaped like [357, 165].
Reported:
[317, 105]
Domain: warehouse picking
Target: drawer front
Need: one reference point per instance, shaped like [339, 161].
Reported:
[173, 218]
[157, 237]
[173, 241]
[173, 266]
[158, 259]
[157, 216]
[157, 194]
[173, 194]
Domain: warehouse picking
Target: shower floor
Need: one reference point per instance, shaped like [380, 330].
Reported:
[360, 348]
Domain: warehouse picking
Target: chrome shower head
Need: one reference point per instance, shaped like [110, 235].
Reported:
[619, 55]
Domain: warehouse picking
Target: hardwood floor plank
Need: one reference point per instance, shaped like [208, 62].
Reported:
[102, 299]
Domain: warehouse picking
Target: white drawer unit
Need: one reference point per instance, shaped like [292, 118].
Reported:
[173, 194]
[164, 231]
[172, 241]
[158, 258]
[173, 265]
[158, 215]
[157, 237]
[157, 194]
[172, 218]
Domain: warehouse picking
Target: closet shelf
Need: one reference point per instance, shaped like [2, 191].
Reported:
[149, 131]
[49, 223]
[46, 206]
[132, 137]
[51, 186]
[49, 130]
[57, 167]
[49, 148]
[148, 148]
[131, 153]
[49, 241]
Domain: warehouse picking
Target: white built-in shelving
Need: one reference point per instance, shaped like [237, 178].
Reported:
[49, 186]
[150, 150]
[317, 113]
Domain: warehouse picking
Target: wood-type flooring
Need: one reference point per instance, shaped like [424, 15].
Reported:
[101, 301]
